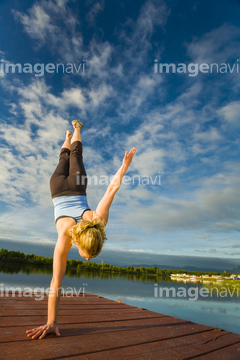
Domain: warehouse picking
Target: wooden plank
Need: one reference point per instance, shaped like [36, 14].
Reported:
[74, 319]
[19, 332]
[79, 310]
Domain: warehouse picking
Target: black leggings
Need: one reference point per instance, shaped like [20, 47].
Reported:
[70, 176]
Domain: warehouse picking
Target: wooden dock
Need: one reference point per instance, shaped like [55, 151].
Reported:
[94, 327]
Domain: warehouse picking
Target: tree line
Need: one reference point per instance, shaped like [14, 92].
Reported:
[78, 266]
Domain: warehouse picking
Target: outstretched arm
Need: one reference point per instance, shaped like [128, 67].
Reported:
[59, 267]
[102, 210]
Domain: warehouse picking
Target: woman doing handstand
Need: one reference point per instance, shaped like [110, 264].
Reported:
[76, 223]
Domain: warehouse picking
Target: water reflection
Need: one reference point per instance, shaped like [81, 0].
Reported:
[15, 268]
[164, 287]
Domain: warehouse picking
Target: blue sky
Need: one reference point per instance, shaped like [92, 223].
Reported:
[185, 128]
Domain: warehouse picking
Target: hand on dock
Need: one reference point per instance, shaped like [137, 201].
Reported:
[43, 330]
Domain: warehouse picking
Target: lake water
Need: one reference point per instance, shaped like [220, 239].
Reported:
[215, 305]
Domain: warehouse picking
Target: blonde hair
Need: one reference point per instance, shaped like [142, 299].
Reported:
[89, 235]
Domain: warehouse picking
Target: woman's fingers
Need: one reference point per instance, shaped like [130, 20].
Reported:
[131, 151]
[128, 157]
[37, 334]
[43, 334]
[33, 332]
[30, 330]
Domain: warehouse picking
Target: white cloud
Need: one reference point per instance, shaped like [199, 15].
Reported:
[73, 97]
[98, 62]
[37, 24]
[153, 14]
[217, 46]
[208, 136]
[96, 8]
[149, 162]
[34, 225]
[44, 24]
[230, 112]
[212, 209]
[99, 95]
